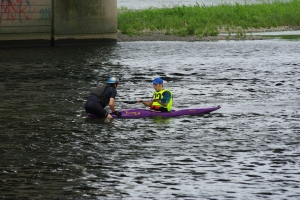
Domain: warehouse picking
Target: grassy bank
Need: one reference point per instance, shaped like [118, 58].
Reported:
[209, 20]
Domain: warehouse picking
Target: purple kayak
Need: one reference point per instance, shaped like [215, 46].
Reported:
[142, 113]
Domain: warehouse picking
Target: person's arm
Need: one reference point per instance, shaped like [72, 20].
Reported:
[112, 104]
[160, 102]
[149, 103]
[112, 107]
[164, 101]
[146, 103]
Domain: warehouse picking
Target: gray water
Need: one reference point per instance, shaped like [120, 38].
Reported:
[249, 149]
[142, 4]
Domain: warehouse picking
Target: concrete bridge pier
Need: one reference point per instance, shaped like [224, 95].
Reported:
[88, 21]
[57, 22]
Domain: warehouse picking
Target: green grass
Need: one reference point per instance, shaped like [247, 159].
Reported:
[209, 20]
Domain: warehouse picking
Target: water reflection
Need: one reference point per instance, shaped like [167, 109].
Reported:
[162, 120]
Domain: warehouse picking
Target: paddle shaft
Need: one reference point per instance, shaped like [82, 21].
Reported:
[128, 101]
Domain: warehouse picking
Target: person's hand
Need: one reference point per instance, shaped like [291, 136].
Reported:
[140, 100]
[155, 100]
[119, 114]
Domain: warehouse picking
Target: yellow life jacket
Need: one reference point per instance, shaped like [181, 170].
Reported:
[159, 96]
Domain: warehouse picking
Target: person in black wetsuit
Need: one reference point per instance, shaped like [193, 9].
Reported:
[102, 96]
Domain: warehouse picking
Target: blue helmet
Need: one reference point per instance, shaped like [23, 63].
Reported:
[113, 79]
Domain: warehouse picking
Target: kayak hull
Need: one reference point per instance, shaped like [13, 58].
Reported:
[142, 113]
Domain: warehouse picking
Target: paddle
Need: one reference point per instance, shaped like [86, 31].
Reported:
[131, 101]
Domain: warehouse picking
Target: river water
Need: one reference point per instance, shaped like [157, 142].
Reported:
[249, 149]
[142, 4]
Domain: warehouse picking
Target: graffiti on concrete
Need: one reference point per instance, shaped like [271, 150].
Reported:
[21, 10]
[45, 13]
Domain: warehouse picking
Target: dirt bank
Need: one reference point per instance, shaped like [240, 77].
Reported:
[157, 36]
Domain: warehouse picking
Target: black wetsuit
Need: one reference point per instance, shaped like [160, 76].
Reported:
[99, 99]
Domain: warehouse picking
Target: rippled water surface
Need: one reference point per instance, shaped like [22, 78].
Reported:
[249, 149]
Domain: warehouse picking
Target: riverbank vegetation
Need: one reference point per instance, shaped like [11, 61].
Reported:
[204, 21]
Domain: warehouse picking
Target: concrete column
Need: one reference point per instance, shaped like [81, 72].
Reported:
[78, 21]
